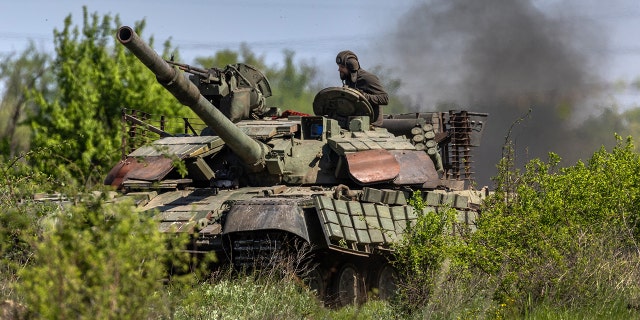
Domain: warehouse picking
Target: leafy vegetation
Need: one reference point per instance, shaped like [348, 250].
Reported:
[554, 229]
[237, 298]
[550, 241]
[95, 262]
[424, 251]
[18, 223]
[28, 71]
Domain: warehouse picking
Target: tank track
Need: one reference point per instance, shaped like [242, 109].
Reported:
[266, 251]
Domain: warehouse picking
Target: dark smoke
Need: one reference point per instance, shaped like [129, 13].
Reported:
[503, 57]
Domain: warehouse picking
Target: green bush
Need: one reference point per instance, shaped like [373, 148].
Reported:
[96, 261]
[549, 240]
[564, 237]
[20, 216]
[424, 255]
[264, 296]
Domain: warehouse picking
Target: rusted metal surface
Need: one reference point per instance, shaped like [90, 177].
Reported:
[156, 159]
[149, 169]
[460, 156]
[417, 168]
[373, 166]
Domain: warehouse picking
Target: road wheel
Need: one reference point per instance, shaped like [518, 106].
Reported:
[348, 286]
[316, 283]
[386, 282]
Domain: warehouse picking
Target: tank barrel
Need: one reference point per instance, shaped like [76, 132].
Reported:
[249, 150]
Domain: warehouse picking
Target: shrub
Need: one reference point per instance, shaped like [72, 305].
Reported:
[424, 255]
[20, 216]
[97, 261]
[564, 237]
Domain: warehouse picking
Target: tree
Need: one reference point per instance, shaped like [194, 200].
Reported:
[20, 216]
[29, 71]
[291, 85]
[632, 119]
[79, 124]
[227, 56]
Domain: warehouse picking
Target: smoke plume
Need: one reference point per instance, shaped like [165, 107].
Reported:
[503, 57]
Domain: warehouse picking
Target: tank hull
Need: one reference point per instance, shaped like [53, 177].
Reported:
[328, 241]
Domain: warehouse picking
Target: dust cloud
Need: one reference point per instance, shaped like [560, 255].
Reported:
[503, 57]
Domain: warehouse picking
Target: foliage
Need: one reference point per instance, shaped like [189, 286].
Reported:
[292, 85]
[614, 310]
[19, 216]
[247, 298]
[631, 119]
[96, 261]
[424, 253]
[95, 79]
[64, 253]
[564, 236]
[423, 243]
[260, 297]
[29, 70]
[224, 57]
[549, 238]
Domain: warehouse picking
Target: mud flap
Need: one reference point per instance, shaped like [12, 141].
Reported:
[266, 214]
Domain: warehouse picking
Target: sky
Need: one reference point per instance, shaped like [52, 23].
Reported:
[487, 56]
[314, 30]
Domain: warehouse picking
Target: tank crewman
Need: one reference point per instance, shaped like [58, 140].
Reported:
[367, 83]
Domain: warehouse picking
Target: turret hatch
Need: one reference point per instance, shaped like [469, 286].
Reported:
[341, 103]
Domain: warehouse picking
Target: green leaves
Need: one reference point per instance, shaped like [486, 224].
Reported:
[547, 231]
[98, 261]
[425, 252]
[96, 78]
[557, 237]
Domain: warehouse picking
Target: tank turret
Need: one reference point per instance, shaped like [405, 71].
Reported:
[249, 150]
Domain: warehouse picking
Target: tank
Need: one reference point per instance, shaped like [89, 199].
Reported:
[327, 188]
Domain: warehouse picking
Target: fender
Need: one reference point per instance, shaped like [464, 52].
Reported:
[266, 214]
